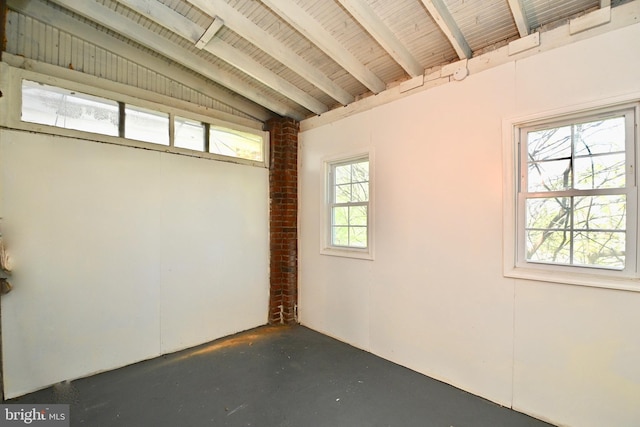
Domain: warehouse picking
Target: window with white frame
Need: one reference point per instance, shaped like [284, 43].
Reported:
[577, 193]
[348, 210]
[98, 117]
[68, 109]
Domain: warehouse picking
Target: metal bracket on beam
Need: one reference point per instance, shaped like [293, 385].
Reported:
[210, 33]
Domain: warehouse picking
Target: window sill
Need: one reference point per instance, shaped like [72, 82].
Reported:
[604, 281]
[348, 253]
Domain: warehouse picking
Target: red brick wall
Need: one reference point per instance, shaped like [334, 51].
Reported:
[283, 193]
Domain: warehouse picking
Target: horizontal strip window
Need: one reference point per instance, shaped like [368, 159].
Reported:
[63, 108]
[59, 107]
[146, 125]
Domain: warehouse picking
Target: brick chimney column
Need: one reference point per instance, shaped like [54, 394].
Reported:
[283, 194]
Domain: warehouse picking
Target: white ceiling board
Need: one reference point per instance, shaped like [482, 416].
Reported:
[301, 58]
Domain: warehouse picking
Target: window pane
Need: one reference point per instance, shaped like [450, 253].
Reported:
[343, 174]
[350, 184]
[229, 142]
[188, 134]
[360, 172]
[54, 106]
[548, 246]
[358, 237]
[600, 213]
[549, 144]
[343, 193]
[340, 236]
[604, 171]
[358, 215]
[600, 249]
[603, 136]
[360, 192]
[549, 176]
[580, 226]
[146, 125]
[341, 215]
[548, 213]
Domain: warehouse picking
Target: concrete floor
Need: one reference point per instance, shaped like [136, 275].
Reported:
[272, 376]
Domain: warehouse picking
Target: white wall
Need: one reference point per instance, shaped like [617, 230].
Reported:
[123, 254]
[435, 299]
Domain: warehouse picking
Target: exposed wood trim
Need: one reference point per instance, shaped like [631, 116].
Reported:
[164, 47]
[596, 18]
[150, 9]
[86, 32]
[254, 69]
[272, 46]
[168, 18]
[383, 35]
[439, 12]
[129, 94]
[524, 43]
[299, 19]
[210, 33]
[622, 16]
[412, 83]
[517, 10]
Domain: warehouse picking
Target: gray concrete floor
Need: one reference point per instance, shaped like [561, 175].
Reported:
[272, 376]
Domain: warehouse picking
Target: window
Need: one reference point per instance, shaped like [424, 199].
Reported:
[145, 125]
[348, 225]
[63, 108]
[189, 134]
[229, 142]
[576, 194]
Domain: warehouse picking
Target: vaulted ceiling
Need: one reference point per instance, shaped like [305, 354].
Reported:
[302, 58]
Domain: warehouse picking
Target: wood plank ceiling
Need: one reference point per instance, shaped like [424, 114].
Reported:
[301, 58]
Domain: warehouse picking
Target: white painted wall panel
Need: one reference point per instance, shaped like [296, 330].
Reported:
[434, 299]
[577, 352]
[215, 260]
[443, 174]
[414, 303]
[577, 348]
[123, 254]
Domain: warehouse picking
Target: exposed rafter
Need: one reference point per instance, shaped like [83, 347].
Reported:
[86, 32]
[439, 12]
[308, 26]
[517, 10]
[296, 58]
[153, 41]
[269, 44]
[210, 33]
[383, 35]
[186, 28]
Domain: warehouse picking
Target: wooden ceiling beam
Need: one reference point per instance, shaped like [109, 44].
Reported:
[116, 22]
[309, 27]
[210, 33]
[246, 29]
[68, 24]
[383, 35]
[517, 10]
[439, 12]
[184, 27]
